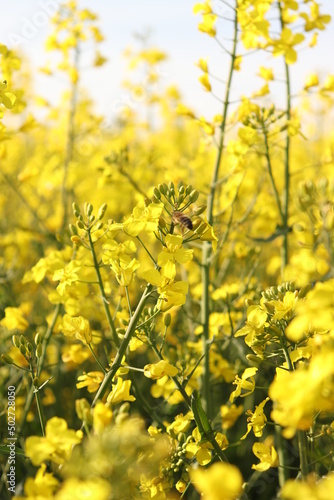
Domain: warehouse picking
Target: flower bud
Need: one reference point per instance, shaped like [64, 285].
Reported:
[102, 211]
[39, 350]
[36, 382]
[16, 340]
[23, 349]
[167, 319]
[88, 209]
[76, 240]
[7, 359]
[80, 224]
[200, 210]
[22, 340]
[73, 229]
[157, 193]
[193, 196]
[30, 347]
[76, 209]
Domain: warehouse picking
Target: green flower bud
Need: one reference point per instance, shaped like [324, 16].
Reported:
[23, 349]
[157, 193]
[30, 347]
[39, 350]
[255, 360]
[193, 196]
[22, 340]
[73, 229]
[76, 209]
[16, 340]
[155, 199]
[7, 359]
[102, 211]
[171, 186]
[189, 188]
[200, 210]
[36, 382]
[80, 224]
[88, 209]
[167, 319]
[99, 225]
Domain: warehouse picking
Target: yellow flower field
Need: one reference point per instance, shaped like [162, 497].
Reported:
[167, 279]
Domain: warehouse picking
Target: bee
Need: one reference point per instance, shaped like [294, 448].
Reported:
[183, 220]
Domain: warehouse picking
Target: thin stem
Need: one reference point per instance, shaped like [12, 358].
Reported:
[205, 309]
[285, 254]
[109, 376]
[70, 141]
[147, 251]
[128, 301]
[96, 358]
[270, 171]
[46, 339]
[101, 287]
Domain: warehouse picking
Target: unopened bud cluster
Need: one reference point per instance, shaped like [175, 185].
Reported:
[87, 221]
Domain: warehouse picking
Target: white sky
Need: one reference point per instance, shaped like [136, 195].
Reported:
[174, 30]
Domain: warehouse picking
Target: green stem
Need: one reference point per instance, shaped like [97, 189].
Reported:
[147, 251]
[285, 254]
[109, 376]
[205, 308]
[96, 358]
[267, 154]
[70, 141]
[46, 339]
[128, 301]
[101, 287]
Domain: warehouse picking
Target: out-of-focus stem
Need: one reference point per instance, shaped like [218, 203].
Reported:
[205, 309]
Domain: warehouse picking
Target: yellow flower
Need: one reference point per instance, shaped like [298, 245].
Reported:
[102, 416]
[174, 252]
[203, 65]
[91, 380]
[256, 321]
[171, 293]
[6, 98]
[312, 488]
[159, 370]
[266, 454]
[66, 276]
[120, 392]
[208, 24]
[221, 481]
[181, 424]
[230, 414]
[311, 81]
[77, 326]
[284, 46]
[204, 80]
[55, 446]
[244, 383]
[14, 319]
[124, 269]
[78, 489]
[256, 420]
[143, 219]
[42, 486]
[266, 73]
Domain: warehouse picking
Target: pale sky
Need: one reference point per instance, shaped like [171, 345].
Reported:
[174, 30]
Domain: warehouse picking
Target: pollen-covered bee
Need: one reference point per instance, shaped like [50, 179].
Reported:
[182, 220]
